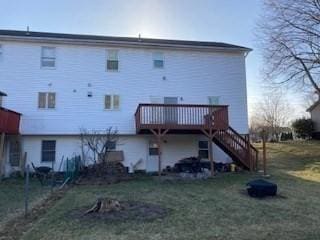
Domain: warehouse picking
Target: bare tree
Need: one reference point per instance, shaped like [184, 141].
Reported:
[98, 143]
[271, 114]
[289, 36]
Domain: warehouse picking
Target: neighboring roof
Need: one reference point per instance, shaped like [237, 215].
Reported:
[119, 40]
[313, 106]
[3, 94]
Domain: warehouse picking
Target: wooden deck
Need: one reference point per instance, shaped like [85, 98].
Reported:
[9, 121]
[180, 118]
[210, 120]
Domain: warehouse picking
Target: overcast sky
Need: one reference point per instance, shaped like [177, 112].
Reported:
[231, 21]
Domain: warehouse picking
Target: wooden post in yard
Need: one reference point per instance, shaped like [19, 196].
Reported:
[211, 156]
[26, 191]
[249, 152]
[2, 139]
[264, 153]
[159, 155]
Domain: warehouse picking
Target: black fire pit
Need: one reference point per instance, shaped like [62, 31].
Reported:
[261, 188]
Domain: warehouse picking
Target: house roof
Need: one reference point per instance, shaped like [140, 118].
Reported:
[313, 106]
[3, 94]
[74, 38]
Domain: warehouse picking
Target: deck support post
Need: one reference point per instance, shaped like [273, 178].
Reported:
[159, 134]
[210, 135]
[2, 139]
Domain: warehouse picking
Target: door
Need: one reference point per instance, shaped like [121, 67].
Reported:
[14, 153]
[170, 113]
[153, 157]
[156, 113]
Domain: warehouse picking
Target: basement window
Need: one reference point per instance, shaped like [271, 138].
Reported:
[203, 151]
[48, 151]
[48, 57]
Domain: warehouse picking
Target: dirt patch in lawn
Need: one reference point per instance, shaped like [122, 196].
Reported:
[130, 210]
[15, 228]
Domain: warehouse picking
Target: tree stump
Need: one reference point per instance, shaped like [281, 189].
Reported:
[104, 205]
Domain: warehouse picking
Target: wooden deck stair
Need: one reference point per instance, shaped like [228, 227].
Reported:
[238, 147]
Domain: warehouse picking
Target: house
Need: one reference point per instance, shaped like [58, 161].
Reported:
[314, 110]
[169, 99]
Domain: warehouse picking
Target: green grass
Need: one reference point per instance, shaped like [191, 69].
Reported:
[12, 197]
[205, 209]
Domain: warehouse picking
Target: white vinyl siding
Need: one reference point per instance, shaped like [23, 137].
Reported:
[112, 60]
[48, 57]
[46, 100]
[112, 102]
[158, 60]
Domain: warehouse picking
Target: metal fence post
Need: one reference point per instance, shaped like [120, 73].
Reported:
[26, 190]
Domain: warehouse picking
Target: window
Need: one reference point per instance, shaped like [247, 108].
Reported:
[203, 151]
[48, 57]
[48, 151]
[112, 102]
[46, 100]
[111, 145]
[112, 60]
[153, 149]
[214, 100]
[158, 60]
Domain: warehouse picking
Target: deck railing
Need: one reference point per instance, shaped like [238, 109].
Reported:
[181, 116]
[9, 121]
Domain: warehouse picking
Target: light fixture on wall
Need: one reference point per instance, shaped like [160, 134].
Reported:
[89, 94]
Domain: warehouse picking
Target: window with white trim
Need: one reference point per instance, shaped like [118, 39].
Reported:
[48, 57]
[46, 100]
[158, 60]
[112, 60]
[111, 102]
[203, 149]
[48, 150]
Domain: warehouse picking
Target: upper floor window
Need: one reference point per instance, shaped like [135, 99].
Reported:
[158, 60]
[48, 57]
[46, 100]
[112, 102]
[112, 60]
[48, 151]
[214, 100]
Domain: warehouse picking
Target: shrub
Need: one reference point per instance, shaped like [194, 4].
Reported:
[303, 127]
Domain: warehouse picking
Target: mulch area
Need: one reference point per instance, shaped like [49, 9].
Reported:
[15, 228]
[131, 210]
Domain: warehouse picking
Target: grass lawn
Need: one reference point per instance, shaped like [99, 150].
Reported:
[205, 209]
[12, 197]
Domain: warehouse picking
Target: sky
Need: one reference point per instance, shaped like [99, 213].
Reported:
[230, 21]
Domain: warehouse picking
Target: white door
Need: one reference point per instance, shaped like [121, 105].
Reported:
[153, 157]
